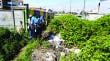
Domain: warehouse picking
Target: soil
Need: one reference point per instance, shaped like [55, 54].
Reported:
[43, 54]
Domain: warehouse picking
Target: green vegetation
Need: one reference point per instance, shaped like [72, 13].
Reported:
[92, 37]
[25, 54]
[96, 49]
[70, 28]
[10, 44]
[70, 57]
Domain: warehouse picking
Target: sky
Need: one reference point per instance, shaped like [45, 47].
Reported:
[76, 5]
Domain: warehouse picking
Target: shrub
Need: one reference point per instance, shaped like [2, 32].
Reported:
[92, 37]
[75, 30]
[69, 57]
[26, 53]
[4, 33]
[96, 49]
[10, 44]
[69, 26]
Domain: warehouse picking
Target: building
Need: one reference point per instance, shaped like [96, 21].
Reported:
[7, 4]
[0, 3]
[93, 15]
[17, 2]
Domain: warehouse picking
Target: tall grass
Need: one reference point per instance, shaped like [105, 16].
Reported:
[25, 54]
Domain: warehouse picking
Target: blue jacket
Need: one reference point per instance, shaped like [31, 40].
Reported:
[34, 20]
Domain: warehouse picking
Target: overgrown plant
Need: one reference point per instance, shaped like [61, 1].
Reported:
[91, 36]
[10, 44]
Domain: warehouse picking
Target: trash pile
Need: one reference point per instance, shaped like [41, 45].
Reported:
[43, 55]
[54, 53]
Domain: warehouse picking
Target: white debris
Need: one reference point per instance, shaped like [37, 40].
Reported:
[56, 40]
[75, 50]
[66, 50]
[49, 56]
[71, 50]
[62, 54]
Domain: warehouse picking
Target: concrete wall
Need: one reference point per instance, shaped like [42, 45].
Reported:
[6, 18]
[93, 16]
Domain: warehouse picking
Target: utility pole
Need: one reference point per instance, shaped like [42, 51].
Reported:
[13, 14]
[70, 5]
[98, 7]
[84, 5]
[84, 9]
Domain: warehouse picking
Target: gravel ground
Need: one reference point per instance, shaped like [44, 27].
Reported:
[43, 54]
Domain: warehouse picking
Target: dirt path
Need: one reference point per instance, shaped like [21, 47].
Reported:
[43, 54]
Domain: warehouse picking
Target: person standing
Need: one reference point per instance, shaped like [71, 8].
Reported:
[34, 23]
[40, 25]
[32, 26]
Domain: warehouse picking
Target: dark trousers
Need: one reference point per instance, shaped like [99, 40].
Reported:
[32, 32]
[38, 31]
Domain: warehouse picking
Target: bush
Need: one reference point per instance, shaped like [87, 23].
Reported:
[75, 30]
[69, 26]
[92, 37]
[96, 49]
[26, 53]
[69, 57]
[4, 33]
[103, 25]
[10, 44]
[72, 29]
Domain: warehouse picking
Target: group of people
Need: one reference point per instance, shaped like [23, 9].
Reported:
[35, 25]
